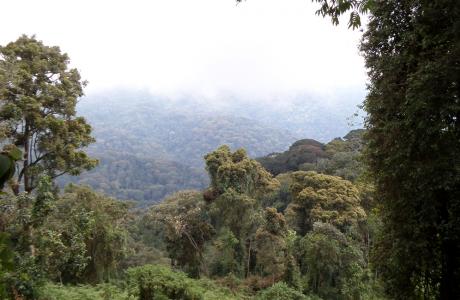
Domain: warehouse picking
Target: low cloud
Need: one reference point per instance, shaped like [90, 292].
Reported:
[258, 48]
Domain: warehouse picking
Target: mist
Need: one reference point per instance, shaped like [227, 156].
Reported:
[258, 50]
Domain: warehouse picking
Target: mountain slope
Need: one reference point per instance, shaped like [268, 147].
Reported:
[150, 147]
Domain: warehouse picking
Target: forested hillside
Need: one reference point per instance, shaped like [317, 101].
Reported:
[145, 180]
[151, 126]
[340, 157]
[369, 214]
[151, 146]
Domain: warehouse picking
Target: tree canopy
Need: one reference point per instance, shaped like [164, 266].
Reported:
[323, 198]
[38, 94]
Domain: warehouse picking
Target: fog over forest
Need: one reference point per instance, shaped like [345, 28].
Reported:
[229, 149]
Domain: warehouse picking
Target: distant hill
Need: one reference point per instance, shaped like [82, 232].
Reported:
[339, 157]
[150, 146]
[147, 126]
[301, 152]
[146, 180]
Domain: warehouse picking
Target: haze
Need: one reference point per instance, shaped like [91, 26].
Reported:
[258, 48]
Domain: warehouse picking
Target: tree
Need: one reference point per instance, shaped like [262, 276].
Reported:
[222, 254]
[412, 52]
[336, 8]
[271, 246]
[414, 138]
[38, 95]
[8, 158]
[281, 291]
[323, 198]
[238, 172]
[79, 236]
[6, 262]
[330, 261]
[84, 237]
[21, 218]
[237, 185]
[345, 157]
[186, 229]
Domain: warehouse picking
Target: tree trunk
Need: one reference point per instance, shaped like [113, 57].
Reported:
[26, 160]
[249, 258]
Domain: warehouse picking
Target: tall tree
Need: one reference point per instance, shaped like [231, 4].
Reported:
[331, 263]
[38, 95]
[271, 246]
[236, 171]
[323, 198]
[186, 229]
[237, 185]
[412, 52]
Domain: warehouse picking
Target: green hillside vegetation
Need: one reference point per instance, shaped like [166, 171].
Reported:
[148, 149]
[145, 180]
[140, 124]
[340, 157]
[373, 215]
[225, 234]
[223, 242]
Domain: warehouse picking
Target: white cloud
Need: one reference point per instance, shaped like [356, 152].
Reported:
[259, 47]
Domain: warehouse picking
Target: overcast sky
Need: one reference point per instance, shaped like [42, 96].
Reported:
[205, 47]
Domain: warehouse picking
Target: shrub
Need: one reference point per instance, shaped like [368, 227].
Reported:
[281, 291]
[52, 291]
[160, 282]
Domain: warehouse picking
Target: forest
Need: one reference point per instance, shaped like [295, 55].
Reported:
[150, 146]
[374, 214]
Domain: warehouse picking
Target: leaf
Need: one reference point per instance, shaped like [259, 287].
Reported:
[5, 164]
[15, 153]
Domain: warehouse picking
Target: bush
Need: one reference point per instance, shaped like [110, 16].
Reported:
[51, 291]
[159, 282]
[281, 291]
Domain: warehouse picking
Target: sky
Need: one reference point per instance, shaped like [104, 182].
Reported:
[258, 48]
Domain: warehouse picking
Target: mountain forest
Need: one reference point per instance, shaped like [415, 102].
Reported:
[130, 195]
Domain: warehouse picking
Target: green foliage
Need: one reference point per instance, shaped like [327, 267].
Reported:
[94, 226]
[340, 157]
[6, 262]
[158, 282]
[336, 8]
[236, 211]
[39, 94]
[222, 255]
[270, 243]
[144, 178]
[281, 291]
[330, 262]
[238, 172]
[323, 198]
[411, 49]
[52, 291]
[43, 203]
[302, 152]
[344, 157]
[186, 229]
[238, 184]
[282, 196]
[21, 224]
[79, 236]
[8, 158]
